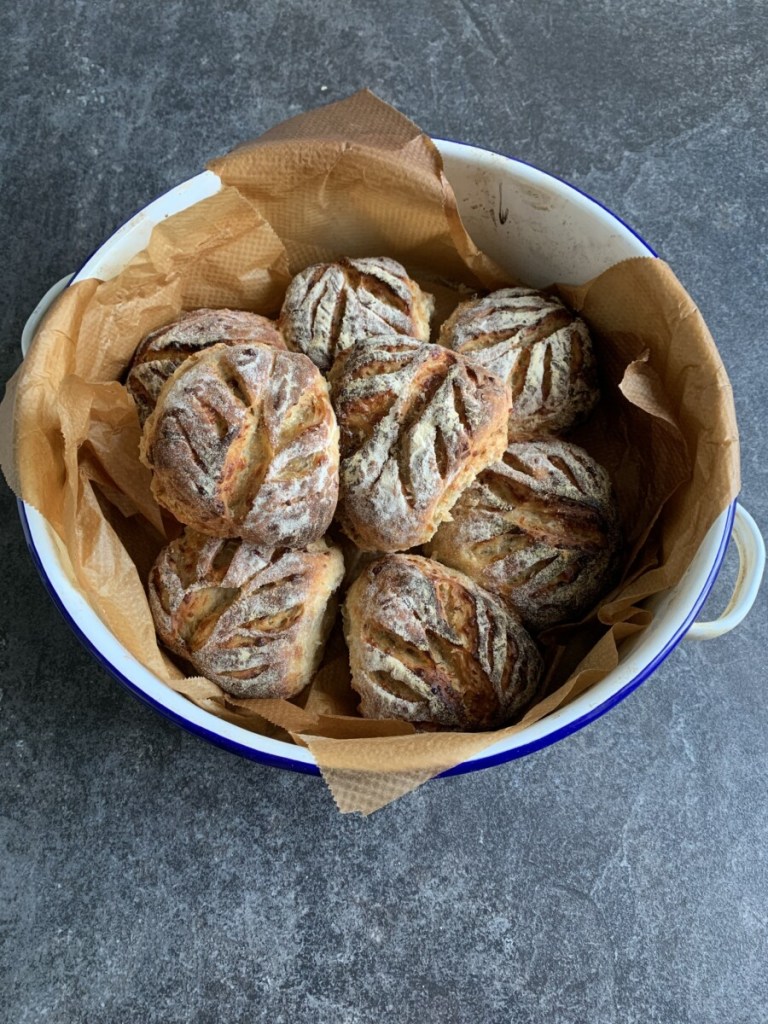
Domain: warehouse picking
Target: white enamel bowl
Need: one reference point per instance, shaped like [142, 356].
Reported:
[540, 229]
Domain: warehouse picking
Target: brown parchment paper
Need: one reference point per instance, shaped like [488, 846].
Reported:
[356, 178]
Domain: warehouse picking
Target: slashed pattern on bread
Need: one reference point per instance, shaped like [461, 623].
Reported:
[429, 646]
[540, 347]
[330, 307]
[251, 620]
[539, 528]
[243, 442]
[417, 423]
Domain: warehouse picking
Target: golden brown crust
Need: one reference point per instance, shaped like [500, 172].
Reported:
[244, 443]
[539, 529]
[253, 621]
[536, 344]
[159, 355]
[428, 645]
[417, 424]
[330, 307]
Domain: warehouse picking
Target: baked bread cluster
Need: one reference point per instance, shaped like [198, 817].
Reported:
[355, 444]
[242, 442]
[162, 352]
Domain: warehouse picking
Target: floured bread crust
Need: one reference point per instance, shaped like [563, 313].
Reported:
[253, 621]
[243, 442]
[540, 347]
[417, 424]
[540, 529]
[160, 354]
[331, 306]
[427, 645]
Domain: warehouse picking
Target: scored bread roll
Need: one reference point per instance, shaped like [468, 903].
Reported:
[540, 529]
[417, 424]
[243, 442]
[251, 620]
[331, 306]
[159, 355]
[427, 645]
[540, 347]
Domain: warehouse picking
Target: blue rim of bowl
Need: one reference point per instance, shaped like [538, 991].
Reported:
[465, 767]
[219, 741]
[478, 764]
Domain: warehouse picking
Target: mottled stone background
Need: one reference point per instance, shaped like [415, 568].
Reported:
[620, 876]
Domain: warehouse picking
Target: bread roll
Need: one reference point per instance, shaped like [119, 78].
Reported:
[417, 424]
[331, 306]
[540, 529]
[253, 621]
[244, 443]
[161, 352]
[428, 645]
[540, 347]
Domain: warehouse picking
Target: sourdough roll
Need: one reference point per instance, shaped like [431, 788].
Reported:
[243, 442]
[159, 355]
[536, 344]
[331, 306]
[427, 645]
[540, 529]
[417, 424]
[251, 620]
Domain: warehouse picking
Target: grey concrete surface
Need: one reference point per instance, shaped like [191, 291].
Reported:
[619, 876]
